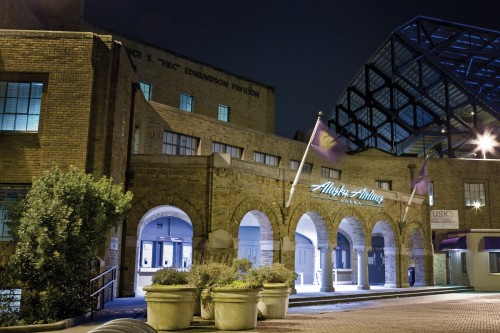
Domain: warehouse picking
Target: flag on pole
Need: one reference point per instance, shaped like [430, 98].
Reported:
[326, 144]
[422, 181]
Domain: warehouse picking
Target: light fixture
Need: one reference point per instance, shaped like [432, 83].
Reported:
[477, 205]
[486, 143]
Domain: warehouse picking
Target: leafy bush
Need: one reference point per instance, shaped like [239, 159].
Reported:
[57, 231]
[170, 276]
[278, 273]
[208, 275]
[239, 273]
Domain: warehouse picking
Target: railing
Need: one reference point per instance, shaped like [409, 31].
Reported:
[102, 289]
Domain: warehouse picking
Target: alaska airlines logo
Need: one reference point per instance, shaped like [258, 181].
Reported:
[346, 195]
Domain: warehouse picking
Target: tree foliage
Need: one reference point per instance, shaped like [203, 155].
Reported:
[57, 230]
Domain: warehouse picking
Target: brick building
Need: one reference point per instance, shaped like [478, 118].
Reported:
[195, 145]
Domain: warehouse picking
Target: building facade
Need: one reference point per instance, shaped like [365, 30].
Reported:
[195, 145]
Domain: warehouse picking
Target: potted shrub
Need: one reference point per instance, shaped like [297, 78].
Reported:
[205, 277]
[170, 300]
[277, 283]
[235, 297]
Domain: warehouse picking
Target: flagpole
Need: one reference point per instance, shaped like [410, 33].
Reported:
[292, 190]
[411, 196]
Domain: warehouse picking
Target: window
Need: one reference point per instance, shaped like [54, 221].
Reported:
[146, 90]
[474, 195]
[330, 173]
[494, 262]
[179, 144]
[266, 159]
[20, 105]
[137, 140]
[294, 165]
[223, 148]
[384, 184]
[8, 196]
[431, 193]
[186, 102]
[223, 113]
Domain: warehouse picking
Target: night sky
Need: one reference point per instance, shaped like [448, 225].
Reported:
[308, 50]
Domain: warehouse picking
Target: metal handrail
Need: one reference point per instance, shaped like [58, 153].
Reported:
[97, 297]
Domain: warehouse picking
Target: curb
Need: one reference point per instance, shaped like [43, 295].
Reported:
[60, 325]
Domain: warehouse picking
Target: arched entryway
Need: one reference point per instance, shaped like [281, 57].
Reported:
[255, 238]
[312, 250]
[382, 256]
[164, 240]
[351, 227]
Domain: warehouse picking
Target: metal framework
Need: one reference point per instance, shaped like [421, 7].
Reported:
[430, 88]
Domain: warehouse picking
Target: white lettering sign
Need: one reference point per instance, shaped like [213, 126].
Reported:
[444, 219]
[346, 195]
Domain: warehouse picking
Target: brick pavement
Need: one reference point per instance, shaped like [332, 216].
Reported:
[472, 312]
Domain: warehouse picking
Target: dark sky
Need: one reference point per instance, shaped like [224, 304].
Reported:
[309, 50]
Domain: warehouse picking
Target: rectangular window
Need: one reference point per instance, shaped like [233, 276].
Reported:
[294, 165]
[266, 159]
[137, 140]
[494, 262]
[186, 102]
[146, 90]
[179, 144]
[384, 184]
[431, 194]
[223, 113]
[8, 196]
[474, 195]
[330, 173]
[223, 148]
[20, 105]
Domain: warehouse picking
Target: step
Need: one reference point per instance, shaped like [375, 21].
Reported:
[347, 298]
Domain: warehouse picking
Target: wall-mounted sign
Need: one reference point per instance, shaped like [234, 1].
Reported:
[444, 219]
[362, 197]
[113, 244]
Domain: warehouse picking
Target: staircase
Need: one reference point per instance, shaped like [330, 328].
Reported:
[297, 300]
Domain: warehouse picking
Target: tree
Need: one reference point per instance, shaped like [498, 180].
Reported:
[57, 231]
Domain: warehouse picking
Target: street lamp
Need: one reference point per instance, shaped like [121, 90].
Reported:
[486, 143]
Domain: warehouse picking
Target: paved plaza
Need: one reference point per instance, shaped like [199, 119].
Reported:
[472, 312]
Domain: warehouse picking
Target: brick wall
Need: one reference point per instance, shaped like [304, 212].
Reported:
[252, 104]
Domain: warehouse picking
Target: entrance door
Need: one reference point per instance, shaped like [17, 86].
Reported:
[376, 261]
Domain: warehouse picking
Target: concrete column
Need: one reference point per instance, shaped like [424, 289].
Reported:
[363, 283]
[326, 269]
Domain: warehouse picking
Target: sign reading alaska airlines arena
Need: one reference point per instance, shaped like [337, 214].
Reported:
[362, 197]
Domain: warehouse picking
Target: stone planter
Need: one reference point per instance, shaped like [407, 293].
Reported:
[207, 305]
[169, 307]
[196, 305]
[274, 301]
[235, 308]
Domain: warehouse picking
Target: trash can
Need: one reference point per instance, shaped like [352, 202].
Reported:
[411, 276]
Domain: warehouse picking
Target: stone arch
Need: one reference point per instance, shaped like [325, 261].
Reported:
[258, 207]
[320, 217]
[390, 226]
[162, 213]
[352, 217]
[269, 230]
[158, 198]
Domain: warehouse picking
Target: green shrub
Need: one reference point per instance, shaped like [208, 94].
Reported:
[208, 275]
[170, 276]
[278, 273]
[57, 230]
